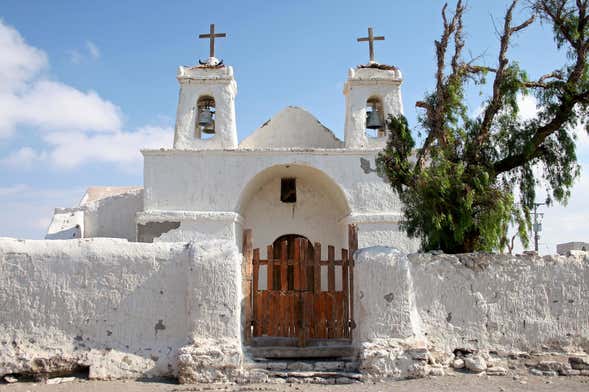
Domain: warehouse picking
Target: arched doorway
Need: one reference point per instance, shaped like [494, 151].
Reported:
[297, 199]
[296, 297]
[291, 240]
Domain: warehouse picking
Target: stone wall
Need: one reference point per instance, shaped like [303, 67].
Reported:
[116, 308]
[412, 309]
[121, 310]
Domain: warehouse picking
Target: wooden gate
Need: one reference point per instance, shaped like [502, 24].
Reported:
[294, 294]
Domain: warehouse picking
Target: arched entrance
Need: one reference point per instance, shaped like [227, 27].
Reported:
[298, 270]
[294, 199]
[295, 297]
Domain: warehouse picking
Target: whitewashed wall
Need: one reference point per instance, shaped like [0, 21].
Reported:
[356, 193]
[503, 304]
[131, 309]
[113, 216]
[122, 309]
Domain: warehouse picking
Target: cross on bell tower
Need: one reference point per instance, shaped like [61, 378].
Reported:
[211, 36]
[371, 38]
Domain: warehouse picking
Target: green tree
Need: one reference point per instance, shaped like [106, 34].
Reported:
[460, 188]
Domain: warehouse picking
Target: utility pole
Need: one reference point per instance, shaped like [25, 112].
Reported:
[537, 226]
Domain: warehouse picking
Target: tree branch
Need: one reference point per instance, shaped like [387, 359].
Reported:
[495, 103]
[555, 10]
[435, 112]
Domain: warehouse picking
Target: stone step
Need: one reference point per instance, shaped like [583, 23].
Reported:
[306, 366]
[285, 352]
[318, 377]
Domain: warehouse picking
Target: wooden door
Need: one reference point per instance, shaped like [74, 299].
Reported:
[291, 300]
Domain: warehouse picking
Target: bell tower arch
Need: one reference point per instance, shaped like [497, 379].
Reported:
[373, 92]
[206, 108]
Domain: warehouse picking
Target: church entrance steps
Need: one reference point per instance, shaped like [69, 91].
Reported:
[322, 371]
[309, 352]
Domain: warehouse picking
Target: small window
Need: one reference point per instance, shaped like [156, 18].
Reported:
[288, 190]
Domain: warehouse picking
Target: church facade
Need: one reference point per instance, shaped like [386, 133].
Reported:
[291, 176]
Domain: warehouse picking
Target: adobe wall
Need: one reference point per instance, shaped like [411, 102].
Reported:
[416, 312]
[127, 310]
[121, 309]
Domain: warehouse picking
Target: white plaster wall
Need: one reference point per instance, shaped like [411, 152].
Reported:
[215, 180]
[292, 127]
[66, 224]
[217, 83]
[113, 216]
[362, 84]
[207, 182]
[123, 309]
[482, 302]
[314, 215]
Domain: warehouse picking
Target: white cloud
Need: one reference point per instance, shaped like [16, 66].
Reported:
[12, 190]
[23, 158]
[19, 62]
[89, 52]
[93, 50]
[30, 99]
[78, 127]
[26, 211]
[70, 150]
[75, 56]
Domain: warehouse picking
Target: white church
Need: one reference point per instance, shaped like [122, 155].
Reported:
[277, 257]
[290, 177]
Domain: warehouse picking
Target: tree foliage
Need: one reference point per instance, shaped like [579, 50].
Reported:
[474, 176]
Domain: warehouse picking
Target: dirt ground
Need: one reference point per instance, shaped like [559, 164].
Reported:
[468, 383]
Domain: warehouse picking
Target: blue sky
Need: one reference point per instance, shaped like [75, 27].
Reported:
[116, 62]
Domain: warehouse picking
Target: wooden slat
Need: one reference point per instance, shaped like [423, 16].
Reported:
[302, 246]
[317, 289]
[352, 247]
[282, 313]
[255, 293]
[247, 286]
[346, 293]
[330, 308]
[317, 265]
[283, 266]
[270, 253]
[331, 269]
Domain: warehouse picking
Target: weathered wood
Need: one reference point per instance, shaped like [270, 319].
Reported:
[247, 286]
[283, 266]
[317, 269]
[270, 255]
[345, 289]
[255, 293]
[330, 310]
[294, 305]
[352, 247]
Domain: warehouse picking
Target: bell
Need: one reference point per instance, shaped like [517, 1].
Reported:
[373, 120]
[209, 128]
[205, 117]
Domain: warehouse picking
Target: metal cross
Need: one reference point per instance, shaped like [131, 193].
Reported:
[371, 38]
[211, 36]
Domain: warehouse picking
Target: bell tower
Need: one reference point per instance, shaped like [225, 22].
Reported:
[206, 107]
[373, 92]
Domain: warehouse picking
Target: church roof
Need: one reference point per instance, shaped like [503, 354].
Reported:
[293, 127]
[96, 193]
